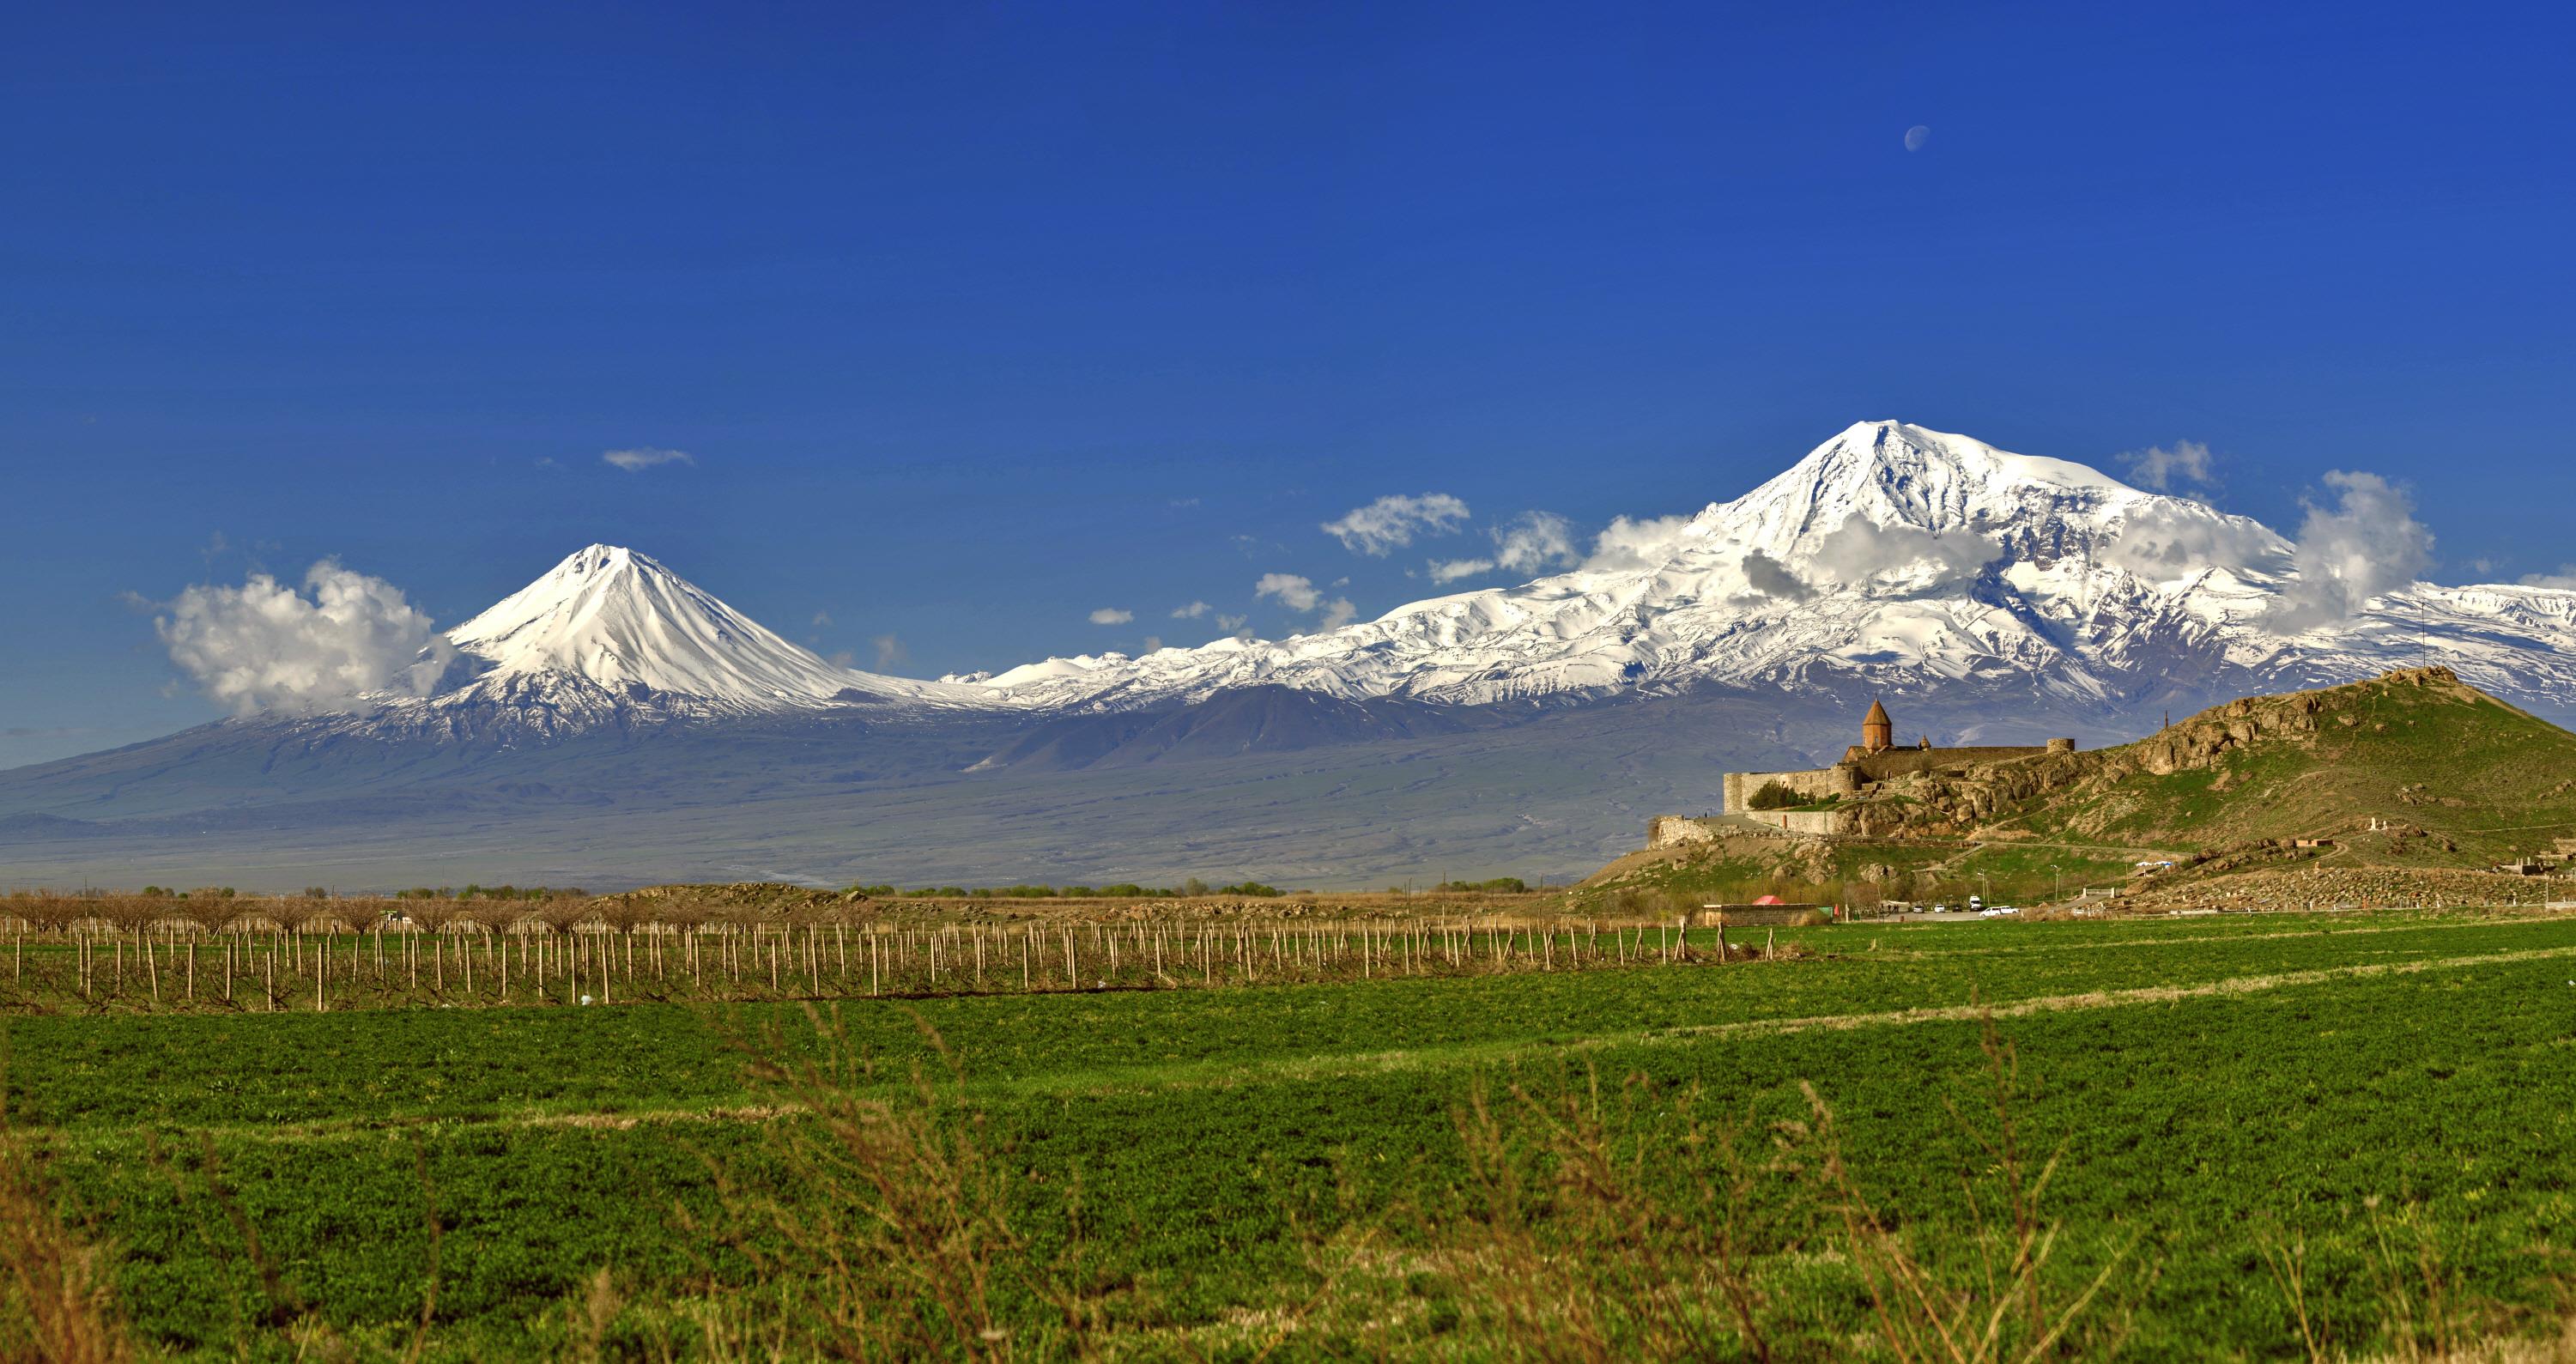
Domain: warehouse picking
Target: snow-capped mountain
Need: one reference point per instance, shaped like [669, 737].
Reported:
[610, 636]
[616, 618]
[1897, 557]
[611, 723]
[1890, 558]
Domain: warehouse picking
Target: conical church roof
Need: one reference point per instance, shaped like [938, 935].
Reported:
[1877, 715]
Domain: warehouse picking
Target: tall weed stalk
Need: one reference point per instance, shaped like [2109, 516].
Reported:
[1589, 1239]
[899, 1240]
[57, 1298]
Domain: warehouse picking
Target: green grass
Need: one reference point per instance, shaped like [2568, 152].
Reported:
[1923, 869]
[1226, 1141]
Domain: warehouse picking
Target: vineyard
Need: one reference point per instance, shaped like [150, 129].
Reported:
[320, 954]
[2277, 1136]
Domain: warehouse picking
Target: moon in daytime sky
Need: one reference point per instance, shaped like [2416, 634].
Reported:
[1916, 136]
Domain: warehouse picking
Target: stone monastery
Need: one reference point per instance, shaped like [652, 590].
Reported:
[1875, 759]
[1871, 761]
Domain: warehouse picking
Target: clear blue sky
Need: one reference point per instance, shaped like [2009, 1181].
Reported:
[976, 319]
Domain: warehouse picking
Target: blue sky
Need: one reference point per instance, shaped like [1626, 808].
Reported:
[976, 320]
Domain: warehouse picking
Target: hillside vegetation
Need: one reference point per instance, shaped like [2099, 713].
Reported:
[2452, 777]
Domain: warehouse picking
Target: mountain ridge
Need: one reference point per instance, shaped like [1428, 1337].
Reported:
[1891, 557]
[613, 723]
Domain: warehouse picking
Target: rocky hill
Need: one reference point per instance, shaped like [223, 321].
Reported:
[2413, 767]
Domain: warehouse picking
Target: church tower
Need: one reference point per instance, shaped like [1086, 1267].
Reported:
[1877, 732]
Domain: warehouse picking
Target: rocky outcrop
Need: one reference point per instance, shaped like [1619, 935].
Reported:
[1959, 802]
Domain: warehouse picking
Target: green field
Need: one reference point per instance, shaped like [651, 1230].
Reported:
[2362, 1118]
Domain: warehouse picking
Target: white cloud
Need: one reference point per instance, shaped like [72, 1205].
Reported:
[889, 651]
[1533, 541]
[1630, 544]
[2172, 539]
[843, 658]
[1530, 544]
[1231, 624]
[1391, 522]
[2367, 543]
[1153, 643]
[644, 457]
[2563, 580]
[264, 646]
[822, 618]
[1299, 593]
[2188, 462]
[1111, 615]
[1860, 550]
[1192, 611]
[1294, 591]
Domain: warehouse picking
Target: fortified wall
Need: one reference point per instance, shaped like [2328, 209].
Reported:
[1814, 784]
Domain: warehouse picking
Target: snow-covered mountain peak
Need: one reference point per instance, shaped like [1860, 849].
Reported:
[1895, 474]
[1891, 556]
[613, 617]
[611, 634]
[1896, 454]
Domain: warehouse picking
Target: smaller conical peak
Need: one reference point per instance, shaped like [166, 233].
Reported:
[619, 619]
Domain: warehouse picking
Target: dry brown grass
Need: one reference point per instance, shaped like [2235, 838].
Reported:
[1590, 1239]
[899, 1241]
[1577, 1252]
[57, 1298]
[2015, 1305]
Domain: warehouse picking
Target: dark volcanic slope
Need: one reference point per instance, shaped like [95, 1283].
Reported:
[1290, 788]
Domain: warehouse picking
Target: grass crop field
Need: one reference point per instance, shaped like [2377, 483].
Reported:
[2248, 1137]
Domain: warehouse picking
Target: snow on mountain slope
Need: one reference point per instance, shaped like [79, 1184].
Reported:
[610, 636]
[1890, 556]
[622, 620]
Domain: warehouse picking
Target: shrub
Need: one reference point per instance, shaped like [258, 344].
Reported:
[1772, 796]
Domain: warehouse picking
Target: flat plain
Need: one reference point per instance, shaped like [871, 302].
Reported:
[2249, 1136]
